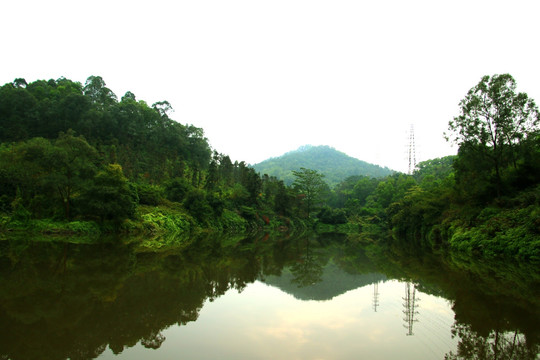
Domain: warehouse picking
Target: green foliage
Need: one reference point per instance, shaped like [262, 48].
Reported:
[332, 216]
[68, 176]
[149, 194]
[310, 186]
[216, 202]
[70, 151]
[51, 227]
[58, 170]
[432, 170]
[19, 213]
[232, 221]
[248, 213]
[158, 221]
[282, 198]
[197, 205]
[109, 197]
[176, 189]
[501, 233]
[494, 120]
[147, 142]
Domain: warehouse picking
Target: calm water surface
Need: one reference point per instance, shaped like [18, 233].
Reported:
[315, 297]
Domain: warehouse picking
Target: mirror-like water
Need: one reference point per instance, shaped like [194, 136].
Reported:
[317, 297]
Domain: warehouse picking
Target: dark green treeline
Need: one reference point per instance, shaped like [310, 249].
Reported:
[485, 201]
[71, 152]
[75, 152]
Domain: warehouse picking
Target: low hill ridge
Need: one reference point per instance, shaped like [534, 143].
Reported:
[334, 164]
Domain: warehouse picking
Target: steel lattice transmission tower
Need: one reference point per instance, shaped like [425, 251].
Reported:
[411, 151]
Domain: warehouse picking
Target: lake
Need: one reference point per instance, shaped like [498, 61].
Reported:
[262, 297]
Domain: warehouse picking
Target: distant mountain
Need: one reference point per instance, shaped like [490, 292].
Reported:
[335, 165]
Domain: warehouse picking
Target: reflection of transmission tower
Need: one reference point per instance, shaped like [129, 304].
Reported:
[409, 307]
[375, 296]
[411, 151]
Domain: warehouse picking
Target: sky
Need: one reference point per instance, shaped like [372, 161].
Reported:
[262, 78]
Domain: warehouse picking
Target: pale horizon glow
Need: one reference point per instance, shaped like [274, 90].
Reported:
[264, 78]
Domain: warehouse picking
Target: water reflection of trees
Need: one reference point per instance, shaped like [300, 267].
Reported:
[107, 295]
[308, 268]
[496, 306]
[497, 345]
[61, 301]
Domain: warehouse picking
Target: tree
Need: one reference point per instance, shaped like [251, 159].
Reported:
[100, 95]
[71, 165]
[20, 83]
[494, 120]
[42, 169]
[163, 108]
[310, 185]
[17, 112]
[497, 344]
[129, 96]
[110, 197]
[308, 270]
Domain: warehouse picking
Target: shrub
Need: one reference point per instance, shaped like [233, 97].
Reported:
[332, 216]
[177, 188]
[149, 194]
[197, 205]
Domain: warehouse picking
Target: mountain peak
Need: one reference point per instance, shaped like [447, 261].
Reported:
[334, 164]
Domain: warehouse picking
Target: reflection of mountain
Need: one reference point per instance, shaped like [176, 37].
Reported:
[334, 282]
[61, 301]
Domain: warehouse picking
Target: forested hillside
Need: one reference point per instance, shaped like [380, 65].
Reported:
[75, 156]
[333, 164]
[141, 137]
[484, 202]
[70, 151]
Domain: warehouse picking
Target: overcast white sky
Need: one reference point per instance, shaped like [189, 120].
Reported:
[265, 77]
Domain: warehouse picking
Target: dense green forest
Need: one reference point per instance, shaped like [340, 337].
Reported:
[333, 164]
[76, 154]
[73, 157]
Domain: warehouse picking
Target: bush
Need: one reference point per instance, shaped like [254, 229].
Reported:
[197, 205]
[149, 194]
[160, 221]
[248, 213]
[216, 203]
[110, 197]
[231, 221]
[332, 216]
[177, 188]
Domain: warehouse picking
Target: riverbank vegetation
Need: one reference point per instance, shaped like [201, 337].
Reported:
[75, 159]
[485, 201]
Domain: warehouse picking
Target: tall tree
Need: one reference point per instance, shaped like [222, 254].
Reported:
[494, 120]
[72, 163]
[96, 90]
[310, 185]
